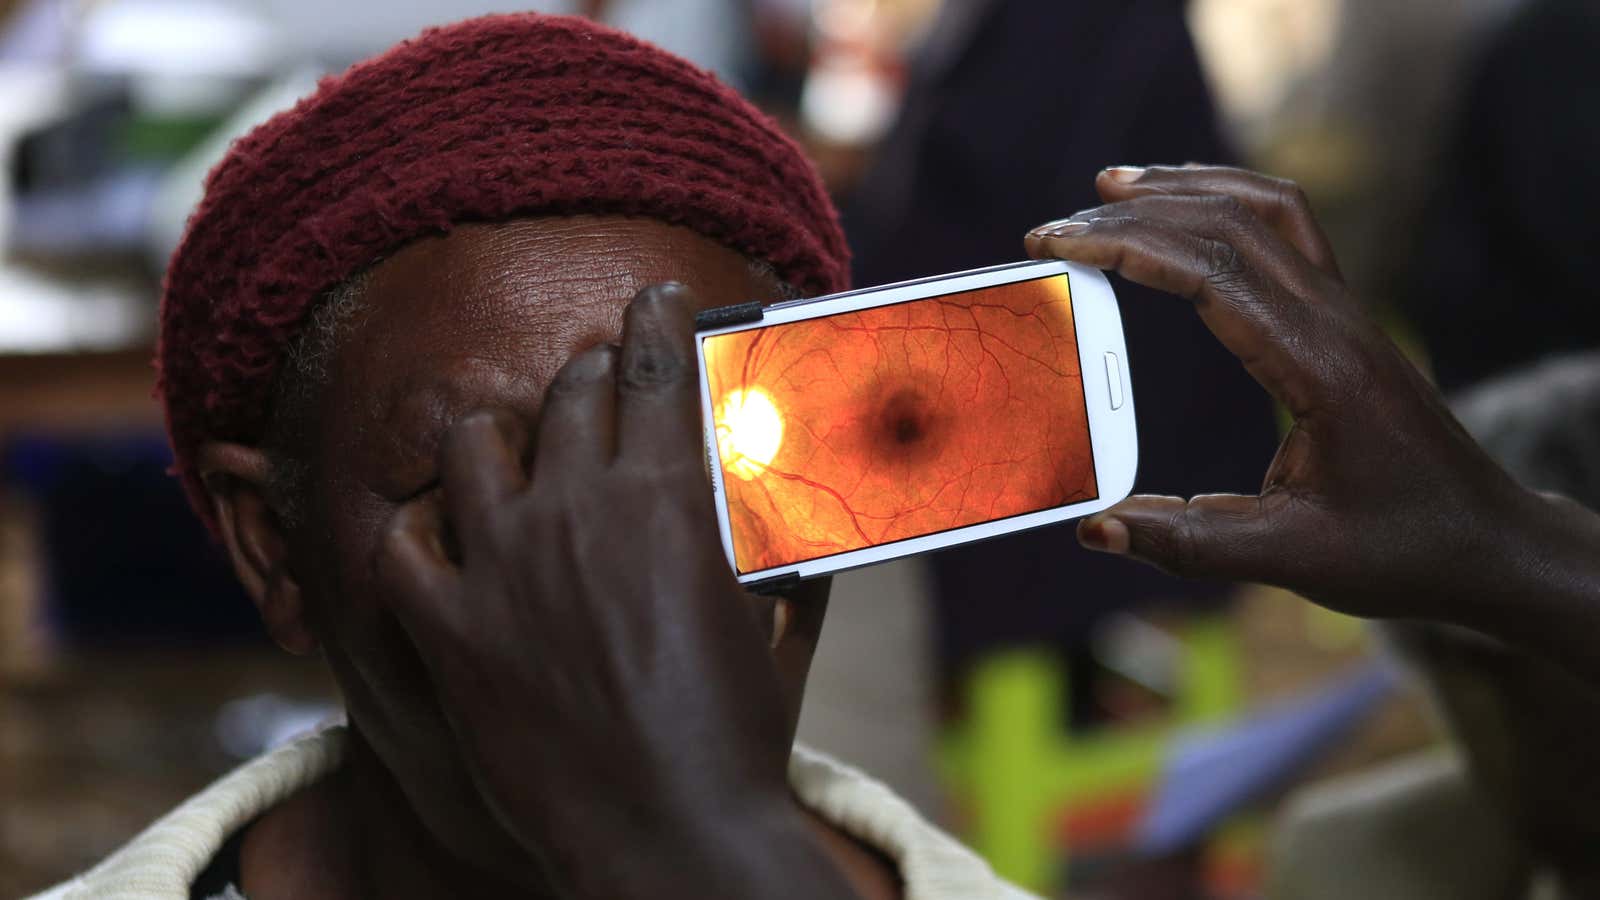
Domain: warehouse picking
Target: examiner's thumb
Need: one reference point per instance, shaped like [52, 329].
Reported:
[1211, 536]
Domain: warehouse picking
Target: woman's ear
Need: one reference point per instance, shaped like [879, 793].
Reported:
[236, 479]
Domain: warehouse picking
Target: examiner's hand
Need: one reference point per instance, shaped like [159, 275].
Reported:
[608, 680]
[1377, 503]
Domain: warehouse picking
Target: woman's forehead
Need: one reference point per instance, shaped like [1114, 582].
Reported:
[492, 288]
[506, 305]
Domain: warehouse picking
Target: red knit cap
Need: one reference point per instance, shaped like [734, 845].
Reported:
[486, 120]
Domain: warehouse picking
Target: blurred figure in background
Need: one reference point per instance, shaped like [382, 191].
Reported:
[1356, 118]
[1041, 93]
[1505, 267]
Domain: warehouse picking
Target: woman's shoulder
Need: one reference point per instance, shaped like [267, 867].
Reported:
[163, 861]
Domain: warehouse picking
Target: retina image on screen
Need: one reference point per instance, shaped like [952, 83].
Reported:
[864, 428]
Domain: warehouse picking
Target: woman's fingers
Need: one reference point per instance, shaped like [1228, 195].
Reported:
[1280, 203]
[1276, 334]
[419, 577]
[1223, 536]
[480, 466]
[577, 427]
[658, 380]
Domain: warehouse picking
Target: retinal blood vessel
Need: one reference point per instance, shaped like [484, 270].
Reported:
[852, 430]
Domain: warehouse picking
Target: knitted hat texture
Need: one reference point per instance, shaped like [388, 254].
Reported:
[486, 120]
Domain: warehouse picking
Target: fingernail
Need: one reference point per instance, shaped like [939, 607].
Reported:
[594, 363]
[1126, 174]
[1106, 535]
[1060, 229]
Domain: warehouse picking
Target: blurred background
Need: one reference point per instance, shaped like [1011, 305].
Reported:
[1092, 728]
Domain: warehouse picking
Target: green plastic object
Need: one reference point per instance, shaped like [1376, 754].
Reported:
[1019, 767]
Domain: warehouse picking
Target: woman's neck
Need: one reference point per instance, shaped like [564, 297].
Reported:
[354, 834]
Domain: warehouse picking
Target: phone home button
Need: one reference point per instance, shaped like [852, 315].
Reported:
[1114, 380]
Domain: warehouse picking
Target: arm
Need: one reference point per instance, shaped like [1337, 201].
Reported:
[605, 676]
[1550, 601]
[1378, 503]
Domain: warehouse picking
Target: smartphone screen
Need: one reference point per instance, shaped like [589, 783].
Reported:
[868, 427]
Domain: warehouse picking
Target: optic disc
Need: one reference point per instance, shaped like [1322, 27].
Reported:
[749, 432]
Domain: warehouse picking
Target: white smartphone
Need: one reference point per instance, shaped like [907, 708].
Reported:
[860, 427]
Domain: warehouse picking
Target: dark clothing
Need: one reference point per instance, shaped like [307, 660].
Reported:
[1507, 266]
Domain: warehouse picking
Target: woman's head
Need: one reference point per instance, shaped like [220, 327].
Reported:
[434, 232]
[489, 120]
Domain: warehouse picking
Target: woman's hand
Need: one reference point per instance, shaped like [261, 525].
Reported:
[1378, 503]
[608, 680]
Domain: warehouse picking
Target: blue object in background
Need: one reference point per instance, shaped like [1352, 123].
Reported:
[1213, 774]
[124, 557]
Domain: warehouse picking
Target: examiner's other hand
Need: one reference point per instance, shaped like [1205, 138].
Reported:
[1377, 503]
[607, 678]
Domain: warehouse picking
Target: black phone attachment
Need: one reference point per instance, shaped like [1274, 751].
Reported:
[720, 316]
[777, 584]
